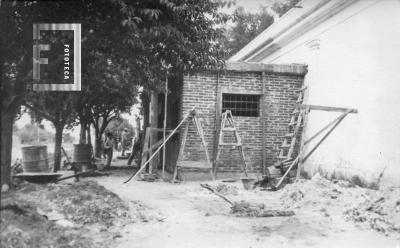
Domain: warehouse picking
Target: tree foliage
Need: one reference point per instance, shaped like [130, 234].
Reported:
[282, 7]
[246, 26]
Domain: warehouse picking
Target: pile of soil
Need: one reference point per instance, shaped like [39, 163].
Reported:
[311, 194]
[376, 209]
[87, 202]
[226, 189]
[245, 209]
[22, 226]
[83, 214]
[380, 212]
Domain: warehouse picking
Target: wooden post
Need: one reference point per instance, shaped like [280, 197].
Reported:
[153, 124]
[218, 111]
[263, 122]
[165, 124]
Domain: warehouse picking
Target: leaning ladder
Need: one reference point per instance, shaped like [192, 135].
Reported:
[285, 155]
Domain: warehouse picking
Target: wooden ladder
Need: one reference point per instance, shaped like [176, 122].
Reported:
[285, 155]
[228, 125]
[207, 165]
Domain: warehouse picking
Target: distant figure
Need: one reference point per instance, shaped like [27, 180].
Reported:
[124, 140]
[108, 149]
[136, 148]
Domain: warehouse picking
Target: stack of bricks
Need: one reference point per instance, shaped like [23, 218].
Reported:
[202, 92]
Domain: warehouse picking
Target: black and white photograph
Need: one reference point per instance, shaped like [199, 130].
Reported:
[200, 123]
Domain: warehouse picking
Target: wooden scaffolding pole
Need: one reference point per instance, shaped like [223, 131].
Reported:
[165, 124]
[133, 176]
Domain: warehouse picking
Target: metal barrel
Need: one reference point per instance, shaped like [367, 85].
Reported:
[34, 159]
[82, 155]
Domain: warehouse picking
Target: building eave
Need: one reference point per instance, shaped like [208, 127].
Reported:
[289, 69]
[278, 35]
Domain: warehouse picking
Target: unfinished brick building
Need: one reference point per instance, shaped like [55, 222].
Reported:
[261, 98]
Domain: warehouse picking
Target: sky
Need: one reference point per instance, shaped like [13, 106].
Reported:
[253, 5]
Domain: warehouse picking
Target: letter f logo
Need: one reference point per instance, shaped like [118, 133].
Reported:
[37, 60]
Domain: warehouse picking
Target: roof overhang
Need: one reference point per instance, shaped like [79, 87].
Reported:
[289, 27]
[290, 69]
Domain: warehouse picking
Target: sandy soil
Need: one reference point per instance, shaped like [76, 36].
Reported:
[186, 215]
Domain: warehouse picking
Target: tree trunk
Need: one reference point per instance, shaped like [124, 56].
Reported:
[82, 136]
[7, 121]
[89, 136]
[57, 147]
[98, 133]
[98, 147]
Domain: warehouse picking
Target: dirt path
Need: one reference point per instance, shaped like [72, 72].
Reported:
[185, 215]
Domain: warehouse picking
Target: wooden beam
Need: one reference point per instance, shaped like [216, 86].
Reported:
[152, 147]
[165, 124]
[324, 128]
[156, 129]
[153, 124]
[327, 108]
[287, 171]
[294, 69]
[217, 122]
[324, 137]
[263, 108]
[301, 149]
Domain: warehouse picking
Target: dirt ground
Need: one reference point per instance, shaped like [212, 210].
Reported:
[104, 212]
[326, 215]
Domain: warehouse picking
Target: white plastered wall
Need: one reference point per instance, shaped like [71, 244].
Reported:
[354, 61]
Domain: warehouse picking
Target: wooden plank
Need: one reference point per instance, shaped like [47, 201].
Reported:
[328, 108]
[154, 146]
[287, 172]
[66, 155]
[203, 140]
[324, 137]
[165, 123]
[218, 111]
[295, 69]
[296, 131]
[302, 143]
[323, 129]
[155, 129]
[263, 122]
[153, 124]
[231, 129]
[145, 145]
[194, 164]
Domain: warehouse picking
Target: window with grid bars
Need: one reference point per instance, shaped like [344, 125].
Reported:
[241, 104]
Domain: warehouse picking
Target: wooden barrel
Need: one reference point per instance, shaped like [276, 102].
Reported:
[34, 159]
[82, 155]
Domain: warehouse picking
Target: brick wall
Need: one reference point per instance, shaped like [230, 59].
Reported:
[201, 91]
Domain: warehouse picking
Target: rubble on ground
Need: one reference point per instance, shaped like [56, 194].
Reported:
[246, 209]
[380, 212]
[226, 189]
[84, 202]
[376, 209]
[22, 226]
[65, 215]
